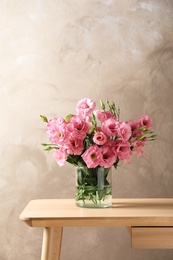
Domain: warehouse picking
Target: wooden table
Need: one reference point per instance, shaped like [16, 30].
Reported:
[149, 221]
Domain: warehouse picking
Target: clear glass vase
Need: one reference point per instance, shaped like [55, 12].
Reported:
[93, 187]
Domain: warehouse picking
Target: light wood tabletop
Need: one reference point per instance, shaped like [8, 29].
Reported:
[149, 221]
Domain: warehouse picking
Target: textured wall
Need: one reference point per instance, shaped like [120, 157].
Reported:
[53, 53]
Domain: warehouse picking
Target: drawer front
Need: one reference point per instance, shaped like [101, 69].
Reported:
[152, 237]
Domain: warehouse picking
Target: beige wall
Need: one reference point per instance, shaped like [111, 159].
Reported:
[53, 53]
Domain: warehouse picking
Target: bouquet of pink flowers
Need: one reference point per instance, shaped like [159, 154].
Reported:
[97, 138]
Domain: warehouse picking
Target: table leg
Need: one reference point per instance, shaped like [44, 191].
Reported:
[51, 246]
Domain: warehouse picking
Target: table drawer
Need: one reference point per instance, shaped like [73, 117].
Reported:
[152, 237]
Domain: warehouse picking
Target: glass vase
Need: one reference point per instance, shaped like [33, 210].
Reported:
[93, 187]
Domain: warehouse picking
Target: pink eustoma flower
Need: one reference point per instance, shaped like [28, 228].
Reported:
[133, 124]
[60, 155]
[74, 145]
[57, 130]
[100, 138]
[135, 128]
[110, 126]
[123, 150]
[109, 156]
[137, 147]
[92, 156]
[102, 115]
[124, 131]
[145, 121]
[53, 123]
[85, 107]
[78, 127]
